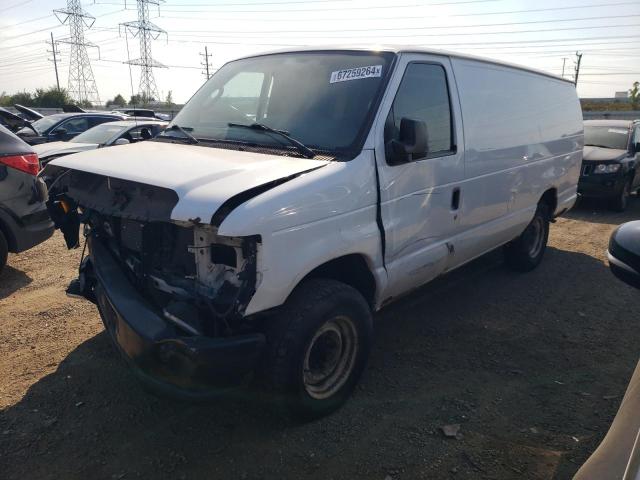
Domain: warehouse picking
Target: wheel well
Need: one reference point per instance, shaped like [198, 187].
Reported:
[350, 269]
[550, 198]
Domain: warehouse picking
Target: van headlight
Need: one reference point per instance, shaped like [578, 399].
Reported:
[607, 168]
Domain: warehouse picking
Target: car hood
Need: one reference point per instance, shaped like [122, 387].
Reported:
[45, 150]
[203, 178]
[600, 154]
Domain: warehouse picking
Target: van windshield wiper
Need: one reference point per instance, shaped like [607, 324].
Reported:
[260, 127]
[183, 131]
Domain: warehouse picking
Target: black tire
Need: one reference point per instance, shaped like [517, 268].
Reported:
[525, 252]
[621, 201]
[4, 251]
[323, 323]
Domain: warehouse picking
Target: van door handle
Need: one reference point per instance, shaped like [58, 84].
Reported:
[455, 199]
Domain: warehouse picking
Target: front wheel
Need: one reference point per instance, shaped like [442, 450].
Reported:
[318, 347]
[621, 201]
[525, 252]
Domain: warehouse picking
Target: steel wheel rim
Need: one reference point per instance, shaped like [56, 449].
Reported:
[330, 357]
[536, 236]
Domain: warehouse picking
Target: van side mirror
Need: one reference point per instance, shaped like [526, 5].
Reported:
[412, 143]
[624, 253]
[121, 141]
[58, 132]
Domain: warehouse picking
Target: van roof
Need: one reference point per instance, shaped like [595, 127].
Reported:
[410, 49]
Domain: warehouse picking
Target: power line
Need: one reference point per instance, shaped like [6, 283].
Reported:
[54, 51]
[16, 5]
[82, 85]
[206, 56]
[146, 31]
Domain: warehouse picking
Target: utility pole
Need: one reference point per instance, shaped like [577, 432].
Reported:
[146, 31]
[564, 61]
[82, 84]
[578, 61]
[205, 63]
[54, 51]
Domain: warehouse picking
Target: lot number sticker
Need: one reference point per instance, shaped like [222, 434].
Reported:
[356, 73]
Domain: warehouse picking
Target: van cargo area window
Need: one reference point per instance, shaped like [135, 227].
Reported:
[424, 95]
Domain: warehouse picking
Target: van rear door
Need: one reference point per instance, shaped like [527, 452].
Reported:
[421, 198]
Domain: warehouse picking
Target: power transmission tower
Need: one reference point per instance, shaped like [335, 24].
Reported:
[205, 63]
[146, 31]
[82, 85]
[578, 61]
[55, 52]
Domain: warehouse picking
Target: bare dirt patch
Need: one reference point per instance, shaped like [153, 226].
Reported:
[532, 367]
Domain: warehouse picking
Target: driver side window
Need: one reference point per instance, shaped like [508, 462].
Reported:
[423, 95]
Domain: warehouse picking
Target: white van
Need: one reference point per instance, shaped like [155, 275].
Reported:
[296, 194]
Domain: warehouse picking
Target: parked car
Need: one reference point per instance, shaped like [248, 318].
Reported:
[298, 192]
[11, 121]
[618, 456]
[61, 127]
[610, 162]
[144, 112]
[28, 113]
[24, 220]
[103, 135]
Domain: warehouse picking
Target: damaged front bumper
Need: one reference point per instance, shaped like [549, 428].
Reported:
[191, 366]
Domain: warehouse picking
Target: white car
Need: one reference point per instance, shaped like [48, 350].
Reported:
[103, 135]
[297, 193]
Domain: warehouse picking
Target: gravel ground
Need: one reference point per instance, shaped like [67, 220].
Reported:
[532, 367]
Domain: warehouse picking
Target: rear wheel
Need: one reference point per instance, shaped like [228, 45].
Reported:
[318, 347]
[621, 201]
[4, 251]
[525, 252]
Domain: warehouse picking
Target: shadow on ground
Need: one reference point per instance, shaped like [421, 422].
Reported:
[529, 366]
[596, 211]
[12, 280]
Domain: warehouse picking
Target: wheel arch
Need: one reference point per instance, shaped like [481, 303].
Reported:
[351, 269]
[550, 199]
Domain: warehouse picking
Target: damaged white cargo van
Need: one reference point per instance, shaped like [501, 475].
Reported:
[298, 192]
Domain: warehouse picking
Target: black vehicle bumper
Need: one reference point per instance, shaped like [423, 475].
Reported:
[28, 231]
[190, 367]
[601, 185]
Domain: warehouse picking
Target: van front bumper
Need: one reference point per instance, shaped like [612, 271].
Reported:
[190, 367]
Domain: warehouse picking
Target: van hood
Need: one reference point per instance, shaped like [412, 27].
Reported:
[203, 178]
[601, 154]
[45, 150]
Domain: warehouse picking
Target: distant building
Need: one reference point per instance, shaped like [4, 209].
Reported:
[624, 94]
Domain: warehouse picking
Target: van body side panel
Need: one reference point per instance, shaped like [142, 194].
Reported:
[317, 217]
[523, 136]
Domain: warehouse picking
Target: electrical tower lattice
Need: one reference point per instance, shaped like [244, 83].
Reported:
[146, 31]
[82, 85]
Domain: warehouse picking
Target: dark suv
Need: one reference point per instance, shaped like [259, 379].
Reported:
[61, 127]
[24, 220]
[610, 161]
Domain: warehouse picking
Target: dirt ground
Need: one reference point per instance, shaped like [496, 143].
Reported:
[532, 367]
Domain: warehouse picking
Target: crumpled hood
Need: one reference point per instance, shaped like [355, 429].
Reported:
[45, 150]
[202, 177]
[599, 154]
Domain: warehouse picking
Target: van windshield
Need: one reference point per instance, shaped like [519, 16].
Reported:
[325, 100]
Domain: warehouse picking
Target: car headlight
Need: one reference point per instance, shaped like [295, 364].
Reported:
[607, 168]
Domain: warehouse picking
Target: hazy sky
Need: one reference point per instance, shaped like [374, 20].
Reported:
[536, 33]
